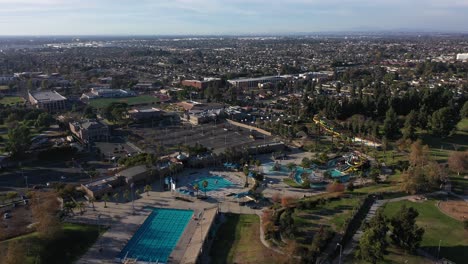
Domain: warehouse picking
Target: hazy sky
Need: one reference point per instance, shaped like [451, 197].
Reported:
[135, 17]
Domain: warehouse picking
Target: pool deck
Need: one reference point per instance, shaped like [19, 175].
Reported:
[123, 223]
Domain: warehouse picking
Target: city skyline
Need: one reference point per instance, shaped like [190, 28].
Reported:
[200, 17]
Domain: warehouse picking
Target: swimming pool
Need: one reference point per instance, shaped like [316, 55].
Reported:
[336, 173]
[299, 172]
[214, 183]
[157, 236]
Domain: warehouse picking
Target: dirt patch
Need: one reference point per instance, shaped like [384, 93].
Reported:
[21, 218]
[455, 209]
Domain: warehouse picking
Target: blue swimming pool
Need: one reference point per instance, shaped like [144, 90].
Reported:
[157, 236]
[299, 172]
[214, 183]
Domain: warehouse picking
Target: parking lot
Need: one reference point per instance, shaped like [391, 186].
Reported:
[217, 137]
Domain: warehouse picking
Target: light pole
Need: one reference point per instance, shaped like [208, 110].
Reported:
[438, 250]
[341, 248]
[133, 198]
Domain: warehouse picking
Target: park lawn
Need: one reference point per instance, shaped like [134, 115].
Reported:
[138, 100]
[462, 126]
[332, 214]
[74, 242]
[238, 241]
[11, 100]
[396, 256]
[459, 184]
[438, 227]
[441, 147]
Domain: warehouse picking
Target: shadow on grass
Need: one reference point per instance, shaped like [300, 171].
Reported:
[225, 238]
[457, 254]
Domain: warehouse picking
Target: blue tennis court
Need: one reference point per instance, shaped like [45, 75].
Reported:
[214, 183]
[157, 236]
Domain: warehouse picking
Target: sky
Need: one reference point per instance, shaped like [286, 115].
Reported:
[201, 17]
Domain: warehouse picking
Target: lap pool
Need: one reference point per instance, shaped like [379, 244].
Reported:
[157, 236]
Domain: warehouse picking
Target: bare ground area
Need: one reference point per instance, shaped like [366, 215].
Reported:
[455, 209]
[21, 218]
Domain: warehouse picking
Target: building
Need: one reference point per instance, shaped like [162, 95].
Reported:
[144, 114]
[462, 56]
[50, 101]
[90, 130]
[202, 84]
[139, 173]
[246, 83]
[98, 188]
[6, 79]
[106, 93]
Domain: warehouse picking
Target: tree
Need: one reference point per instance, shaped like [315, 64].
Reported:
[44, 120]
[92, 200]
[89, 112]
[205, 185]
[126, 195]
[442, 122]
[147, 189]
[80, 207]
[409, 130]
[370, 246]
[137, 193]
[196, 187]
[391, 127]
[419, 154]
[19, 140]
[305, 163]
[458, 161]
[464, 110]
[105, 198]
[16, 253]
[291, 166]
[115, 196]
[405, 233]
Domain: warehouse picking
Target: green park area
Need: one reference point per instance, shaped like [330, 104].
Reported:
[11, 100]
[131, 101]
[66, 248]
[332, 214]
[438, 227]
[238, 241]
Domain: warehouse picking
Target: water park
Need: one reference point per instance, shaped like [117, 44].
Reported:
[316, 175]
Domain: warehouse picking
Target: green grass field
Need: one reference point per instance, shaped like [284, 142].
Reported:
[11, 100]
[439, 227]
[74, 242]
[143, 99]
[238, 241]
[332, 214]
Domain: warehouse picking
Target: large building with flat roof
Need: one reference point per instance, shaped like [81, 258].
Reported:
[51, 101]
[246, 83]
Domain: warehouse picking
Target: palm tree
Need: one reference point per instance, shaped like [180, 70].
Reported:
[126, 195]
[92, 200]
[205, 185]
[115, 196]
[291, 166]
[80, 207]
[147, 189]
[105, 198]
[196, 187]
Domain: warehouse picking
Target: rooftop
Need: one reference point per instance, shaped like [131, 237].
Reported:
[47, 96]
